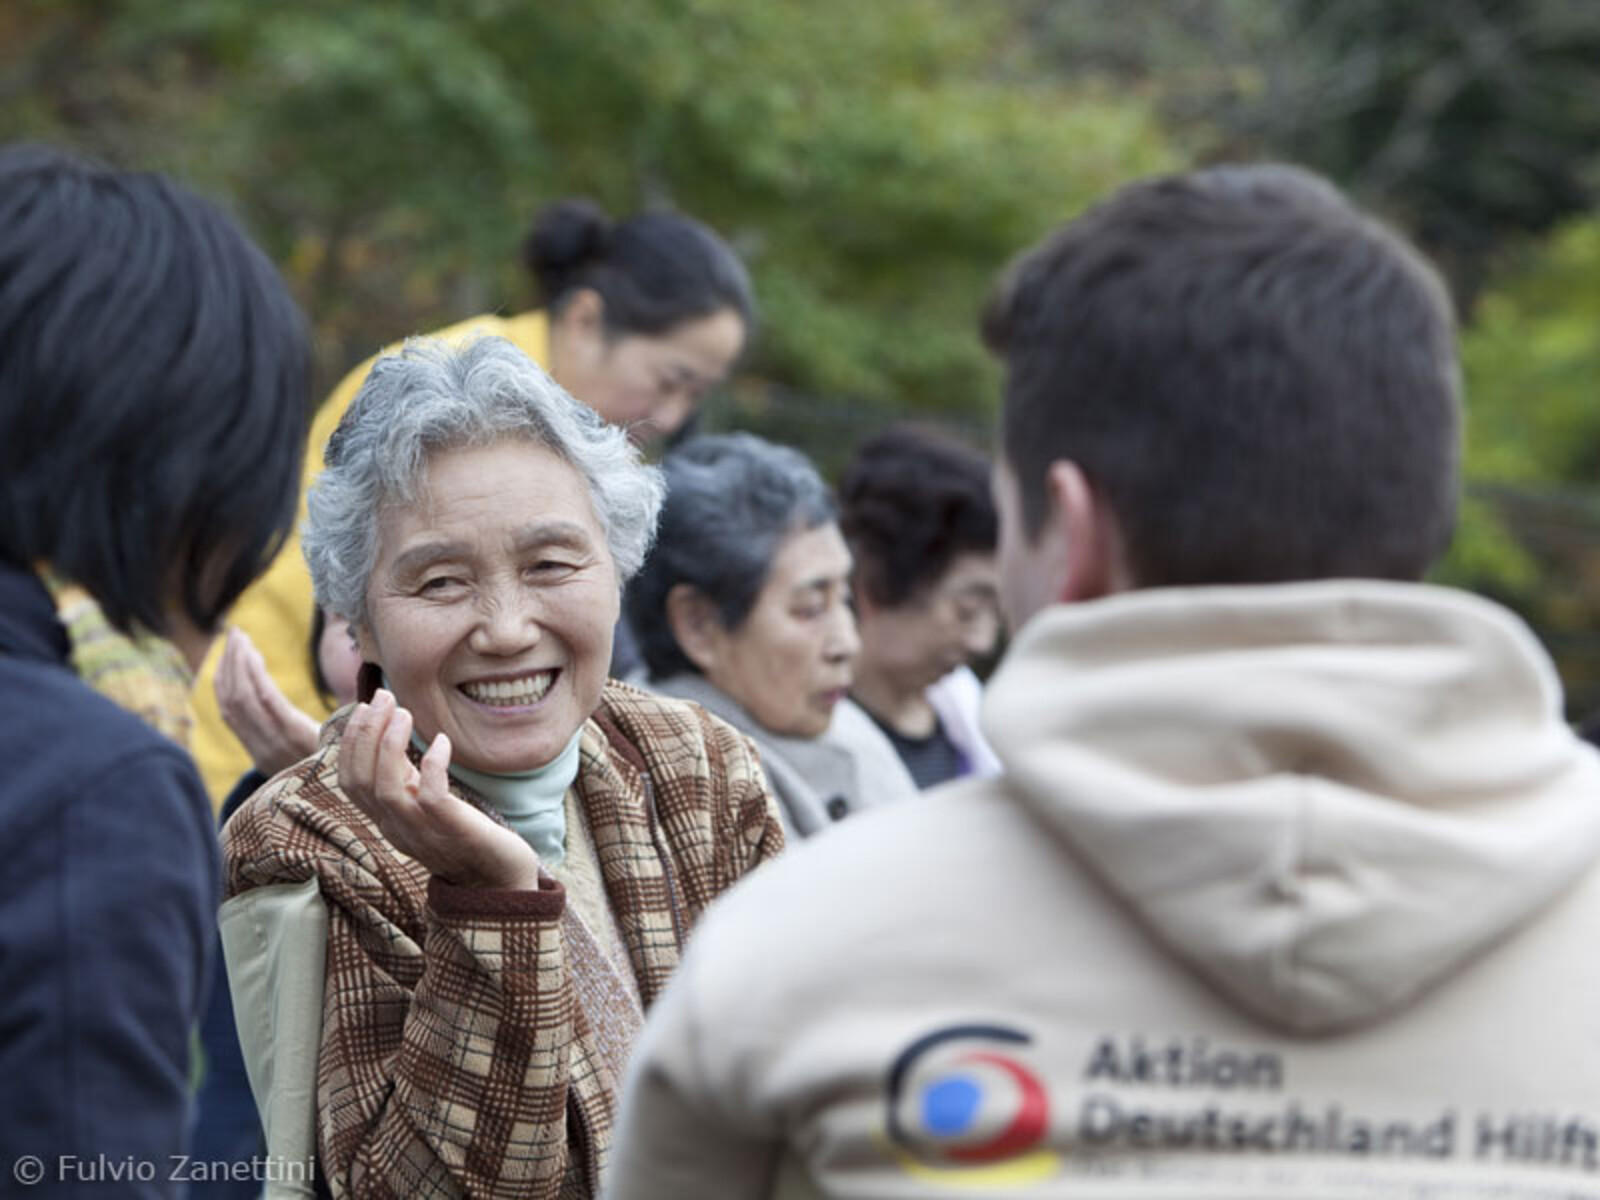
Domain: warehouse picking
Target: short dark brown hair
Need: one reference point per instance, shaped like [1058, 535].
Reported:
[1260, 380]
[911, 501]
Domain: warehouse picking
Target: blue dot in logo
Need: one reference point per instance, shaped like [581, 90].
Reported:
[949, 1105]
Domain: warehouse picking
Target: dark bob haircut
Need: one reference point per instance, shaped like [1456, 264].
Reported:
[652, 272]
[1260, 380]
[732, 500]
[154, 379]
[911, 501]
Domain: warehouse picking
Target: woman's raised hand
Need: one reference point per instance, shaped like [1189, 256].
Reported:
[414, 809]
[275, 732]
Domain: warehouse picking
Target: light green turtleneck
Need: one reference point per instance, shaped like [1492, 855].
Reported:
[532, 802]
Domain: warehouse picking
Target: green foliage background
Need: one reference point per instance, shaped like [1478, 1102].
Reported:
[876, 163]
[1530, 531]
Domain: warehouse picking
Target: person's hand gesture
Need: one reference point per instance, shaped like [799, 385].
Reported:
[414, 809]
[275, 732]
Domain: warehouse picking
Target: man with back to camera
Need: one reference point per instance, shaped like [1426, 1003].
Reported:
[1289, 887]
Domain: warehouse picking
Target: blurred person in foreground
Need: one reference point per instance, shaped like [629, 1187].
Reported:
[744, 607]
[916, 510]
[638, 318]
[153, 406]
[444, 927]
[227, 1127]
[1290, 885]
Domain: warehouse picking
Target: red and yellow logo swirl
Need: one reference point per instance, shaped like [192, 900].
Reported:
[965, 1112]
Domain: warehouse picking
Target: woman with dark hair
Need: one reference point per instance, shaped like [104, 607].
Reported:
[637, 318]
[744, 607]
[916, 510]
[645, 315]
[153, 408]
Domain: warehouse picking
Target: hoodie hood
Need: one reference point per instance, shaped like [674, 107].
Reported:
[1325, 797]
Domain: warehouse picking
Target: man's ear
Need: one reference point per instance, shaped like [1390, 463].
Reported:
[1091, 560]
[696, 625]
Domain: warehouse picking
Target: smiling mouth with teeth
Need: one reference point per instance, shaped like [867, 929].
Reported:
[511, 693]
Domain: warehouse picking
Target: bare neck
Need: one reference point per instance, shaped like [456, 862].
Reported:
[902, 708]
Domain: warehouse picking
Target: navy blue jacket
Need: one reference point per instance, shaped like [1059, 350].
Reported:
[108, 898]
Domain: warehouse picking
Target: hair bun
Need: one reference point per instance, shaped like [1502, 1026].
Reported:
[567, 235]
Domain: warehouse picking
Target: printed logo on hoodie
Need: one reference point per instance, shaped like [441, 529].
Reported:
[966, 1109]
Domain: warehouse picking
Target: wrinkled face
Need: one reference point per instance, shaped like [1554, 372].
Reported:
[790, 662]
[651, 384]
[492, 604]
[949, 624]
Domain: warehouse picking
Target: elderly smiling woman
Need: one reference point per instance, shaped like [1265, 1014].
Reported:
[744, 607]
[500, 850]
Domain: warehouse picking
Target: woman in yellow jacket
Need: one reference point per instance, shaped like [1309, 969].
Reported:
[638, 319]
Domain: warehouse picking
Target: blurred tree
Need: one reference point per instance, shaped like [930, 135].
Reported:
[1532, 363]
[876, 163]
[1531, 532]
[1473, 124]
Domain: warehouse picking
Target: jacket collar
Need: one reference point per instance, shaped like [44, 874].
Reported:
[28, 624]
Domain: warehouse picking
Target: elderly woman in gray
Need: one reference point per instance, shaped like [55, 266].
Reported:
[744, 607]
[443, 928]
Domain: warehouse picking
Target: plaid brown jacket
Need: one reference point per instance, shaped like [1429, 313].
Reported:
[457, 1056]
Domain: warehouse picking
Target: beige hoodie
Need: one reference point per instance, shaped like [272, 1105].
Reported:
[1287, 890]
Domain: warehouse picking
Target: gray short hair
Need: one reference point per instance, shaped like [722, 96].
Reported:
[732, 500]
[434, 395]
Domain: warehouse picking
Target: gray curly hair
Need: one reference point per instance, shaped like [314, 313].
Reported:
[433, 396]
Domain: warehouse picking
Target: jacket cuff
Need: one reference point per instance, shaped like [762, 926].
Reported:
[451, 900]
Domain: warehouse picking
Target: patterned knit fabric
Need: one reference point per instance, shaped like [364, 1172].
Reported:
[579, 873]
[460, 1053]
[144, 675]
